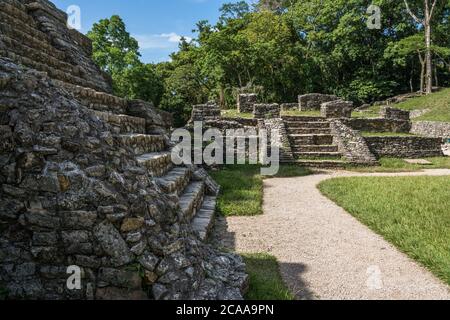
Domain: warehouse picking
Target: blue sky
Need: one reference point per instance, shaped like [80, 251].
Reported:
[156, 24]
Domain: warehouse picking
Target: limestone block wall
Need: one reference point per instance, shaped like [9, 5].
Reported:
[378, 125]
[203, 112]
[266, 111]
[405, 147]
[35, 34]
[313, 101]
[351, 143]
[73, 193]
[395, 114]
[431, 129]
[337, 109]
[284, 145]
[246, 102]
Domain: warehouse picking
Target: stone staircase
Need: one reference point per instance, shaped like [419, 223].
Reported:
[153, 153]
[23, 40]
[312, 142]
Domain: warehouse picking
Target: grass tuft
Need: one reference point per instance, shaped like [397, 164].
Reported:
[399, 165]
[242, 187]
[265, 278]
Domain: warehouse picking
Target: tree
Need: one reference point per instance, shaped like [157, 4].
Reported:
[116, 52]
[426, 21]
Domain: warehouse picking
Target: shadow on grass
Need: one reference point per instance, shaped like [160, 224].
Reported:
[269, 279]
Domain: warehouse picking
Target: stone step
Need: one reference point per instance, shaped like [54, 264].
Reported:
[303, 119]
[175, 180]
[157, 163]
[316, 148]
[192, 198]
[203, 221]
[17, 10]
[96, 100]
[310, 139]
[309, 131]
[317, 155]
[37, 55]
[122, 123]
[52, 72]
[307, 125]
[323, 164]
[28, 35]
[142, 143]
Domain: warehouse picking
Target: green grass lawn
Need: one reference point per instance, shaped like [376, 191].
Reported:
[242, 187]
[410, 212]
[265, 279]
[438, 103]
[399, 165]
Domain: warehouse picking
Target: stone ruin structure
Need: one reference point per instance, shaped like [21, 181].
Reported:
[266, 111]
[337, 109]
[334, 139]
[86, 179]
[246, 102]
[313, 101]
[202, 112]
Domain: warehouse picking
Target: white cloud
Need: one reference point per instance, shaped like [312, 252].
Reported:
[159, 41]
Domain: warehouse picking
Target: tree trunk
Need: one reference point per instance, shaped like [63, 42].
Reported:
[428, 58]
[436, 79]
[422, 74]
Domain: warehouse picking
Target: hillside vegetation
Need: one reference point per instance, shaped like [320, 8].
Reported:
[438, 103]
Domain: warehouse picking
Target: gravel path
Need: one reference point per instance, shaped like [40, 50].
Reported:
[325, 253]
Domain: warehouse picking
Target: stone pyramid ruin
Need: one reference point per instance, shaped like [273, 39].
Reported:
[86, 179]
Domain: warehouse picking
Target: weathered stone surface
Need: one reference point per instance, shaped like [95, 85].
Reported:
[70, 178]
[313, 101]
[405, 147]
[431, 129]
[378, 125]
[266, 111]
[246, 102]
[112, 243]
[351, 143]
[204, 112]
[395, 114]
[337, 109]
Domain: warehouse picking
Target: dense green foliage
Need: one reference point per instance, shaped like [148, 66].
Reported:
[281, 49]
[410, 212]
[117, 53]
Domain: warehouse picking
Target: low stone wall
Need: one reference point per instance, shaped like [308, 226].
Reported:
[290, 106]
[313, 101]
[395, 114]
[405, 147]
[246, 102]
[337, 109]
[351, 143]
[266, 111]
[284, 144]
[378, 125]
[432, 129]
[203, 112]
